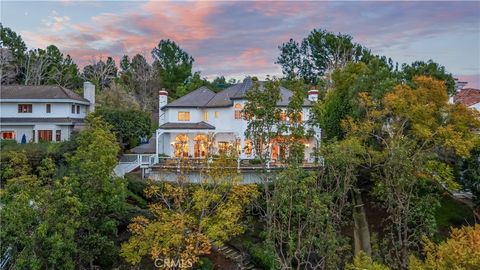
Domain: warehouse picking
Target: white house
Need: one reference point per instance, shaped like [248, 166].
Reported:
[204, 122]
[45, 112]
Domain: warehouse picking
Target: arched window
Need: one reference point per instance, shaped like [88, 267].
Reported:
[201, 146]
[238, 111]
[181, 145]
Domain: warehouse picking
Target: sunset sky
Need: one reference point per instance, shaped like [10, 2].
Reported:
[236, 39]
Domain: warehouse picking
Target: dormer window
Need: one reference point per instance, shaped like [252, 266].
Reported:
[183, 116]
[24, 108]
[238, 111]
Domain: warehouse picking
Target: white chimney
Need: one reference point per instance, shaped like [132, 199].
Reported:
[313, 95]
[89, 94]
[162, 101]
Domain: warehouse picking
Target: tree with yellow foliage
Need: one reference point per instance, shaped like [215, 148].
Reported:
[187, 217]
[405, 136]
[461, 251]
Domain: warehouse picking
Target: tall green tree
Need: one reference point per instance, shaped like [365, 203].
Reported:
[376, 77]
[39, 216]
[102, 195]
[129, 125]
[173, 65]
[431, 69]
[405, 135]
[320, 53]
[12, 55]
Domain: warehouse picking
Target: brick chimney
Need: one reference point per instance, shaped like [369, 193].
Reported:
[313, 94]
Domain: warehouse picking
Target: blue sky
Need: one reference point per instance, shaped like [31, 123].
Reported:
[242, 38]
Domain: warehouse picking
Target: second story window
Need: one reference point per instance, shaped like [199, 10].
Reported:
[238, 111]
[205, 116]
[24, 108]
[73, 109]
[78, 109]
[48, 108]
[216, 115]
[183, 116]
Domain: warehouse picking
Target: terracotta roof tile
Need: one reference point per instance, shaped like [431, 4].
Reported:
[467, 96]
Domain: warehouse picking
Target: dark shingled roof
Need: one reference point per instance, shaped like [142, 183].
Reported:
[148, 148]
[205, 98]
[14, 120]
[199, 125]
[38, 92]
[196, 98]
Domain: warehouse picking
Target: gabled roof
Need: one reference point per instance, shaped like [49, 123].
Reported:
[196, 98]
[205, 98]
[467, 96]
[187, 125]
[38, 92]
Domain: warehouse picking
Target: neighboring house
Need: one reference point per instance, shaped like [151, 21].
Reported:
[469, 97]
[204, 122]
[42, 113]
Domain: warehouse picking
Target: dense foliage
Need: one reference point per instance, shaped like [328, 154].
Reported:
[129, 125]
[63, 220]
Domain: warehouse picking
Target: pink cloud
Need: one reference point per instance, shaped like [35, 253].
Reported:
[473, 80]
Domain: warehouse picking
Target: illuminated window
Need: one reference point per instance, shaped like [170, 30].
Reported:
[222, 147]
[183, 116]
[216, 114]
[48, 108]
[248, 148]
[181, 145]
[200, 148]
[237, 146]
[45, 135]
[298, 118]
[8, 135]
[283, 116]
[24, 108]
[205, 116]
[238, 111]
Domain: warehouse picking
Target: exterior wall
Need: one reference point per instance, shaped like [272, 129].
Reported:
[58, 110]
[476, 106]
[227, 128]
[28, 129]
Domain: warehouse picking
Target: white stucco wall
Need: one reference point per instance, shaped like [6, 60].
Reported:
[28, 128]
[58, 110]
[227, 128]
